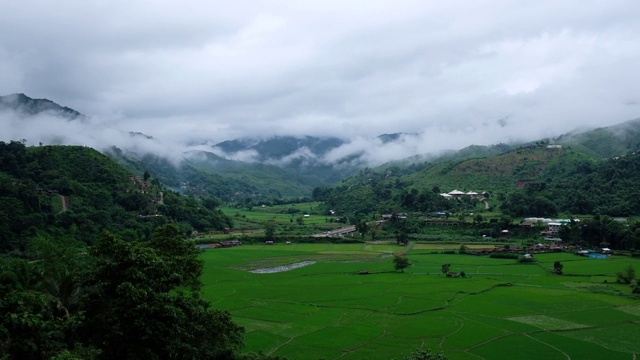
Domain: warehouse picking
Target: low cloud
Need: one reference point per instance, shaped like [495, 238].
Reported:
[50, 129]
[214, 71]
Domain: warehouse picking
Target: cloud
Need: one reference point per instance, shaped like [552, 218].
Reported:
[450, 71]
[50, 129]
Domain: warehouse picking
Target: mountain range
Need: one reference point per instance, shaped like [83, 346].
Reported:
[281, 167]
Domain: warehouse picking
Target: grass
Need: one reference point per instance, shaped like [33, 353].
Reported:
[501, 310]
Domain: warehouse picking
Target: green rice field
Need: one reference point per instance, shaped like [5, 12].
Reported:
[501, 310]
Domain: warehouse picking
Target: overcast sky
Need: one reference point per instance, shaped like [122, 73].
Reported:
[457, 72]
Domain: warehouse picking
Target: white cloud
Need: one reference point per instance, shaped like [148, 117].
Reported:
[218, 70]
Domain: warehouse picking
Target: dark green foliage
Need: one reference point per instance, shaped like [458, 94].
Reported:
[362, 228]
[445, 268]
[604, 188]
[521, 204]
[602, 229]
[135, 308]
[78, 192]
[627, 276]
[557, 268]
[121, 300]
[400, 262]
[270, 231]
[526, 259]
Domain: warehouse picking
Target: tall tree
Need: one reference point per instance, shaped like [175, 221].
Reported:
[142, 304]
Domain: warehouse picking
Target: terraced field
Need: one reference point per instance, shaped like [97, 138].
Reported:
[501, 310]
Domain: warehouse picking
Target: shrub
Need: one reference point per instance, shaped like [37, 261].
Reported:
[526, 260]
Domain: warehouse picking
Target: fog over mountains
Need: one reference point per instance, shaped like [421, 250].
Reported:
[43, 121]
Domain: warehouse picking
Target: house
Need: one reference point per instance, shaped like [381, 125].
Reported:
[553, 228]
[439, 214]
[394, 216]
[456, 194]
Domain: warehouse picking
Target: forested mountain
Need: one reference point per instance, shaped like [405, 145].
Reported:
[304, 156]
[533, 180]
[77, 192]
[286, 168]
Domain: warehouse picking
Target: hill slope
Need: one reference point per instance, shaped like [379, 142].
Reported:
[78, 192]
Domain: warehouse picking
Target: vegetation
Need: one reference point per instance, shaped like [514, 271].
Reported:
[424, 355]
[500, 304]
[124, 300]
[557, 267]
[627, 276]
[400, 262]
[72, 191]
[97, 260]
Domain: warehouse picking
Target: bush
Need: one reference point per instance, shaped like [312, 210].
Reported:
[526, 260]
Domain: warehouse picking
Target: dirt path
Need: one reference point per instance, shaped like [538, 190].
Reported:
[406, 248]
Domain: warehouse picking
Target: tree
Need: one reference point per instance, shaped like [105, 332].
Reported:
[627, 276]
[402, 237]
[270, 231]
[462, 249]
[400, 262]
[141, 303]
[362, 227]
[557, 268]
[445, 268]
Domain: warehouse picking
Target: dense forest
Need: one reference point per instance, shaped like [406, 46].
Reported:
[77, 192]
[94, 262]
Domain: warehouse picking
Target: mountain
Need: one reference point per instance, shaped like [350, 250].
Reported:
[387, 138]
[286, 167]
[278, 148]
[205, 174]
[78, 192]
[304, 156]
[606, 142]
[23, 104]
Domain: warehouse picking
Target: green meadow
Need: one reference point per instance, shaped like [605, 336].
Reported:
[501, 310]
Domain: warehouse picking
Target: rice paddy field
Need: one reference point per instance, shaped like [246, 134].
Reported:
[500, 310]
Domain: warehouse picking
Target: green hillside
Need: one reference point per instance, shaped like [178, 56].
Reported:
[534, 180]
[74, 191]
[608, 142]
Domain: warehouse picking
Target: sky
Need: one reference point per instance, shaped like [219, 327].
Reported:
[454, 72]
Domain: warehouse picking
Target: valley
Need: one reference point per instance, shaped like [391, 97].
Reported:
[475, 254]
